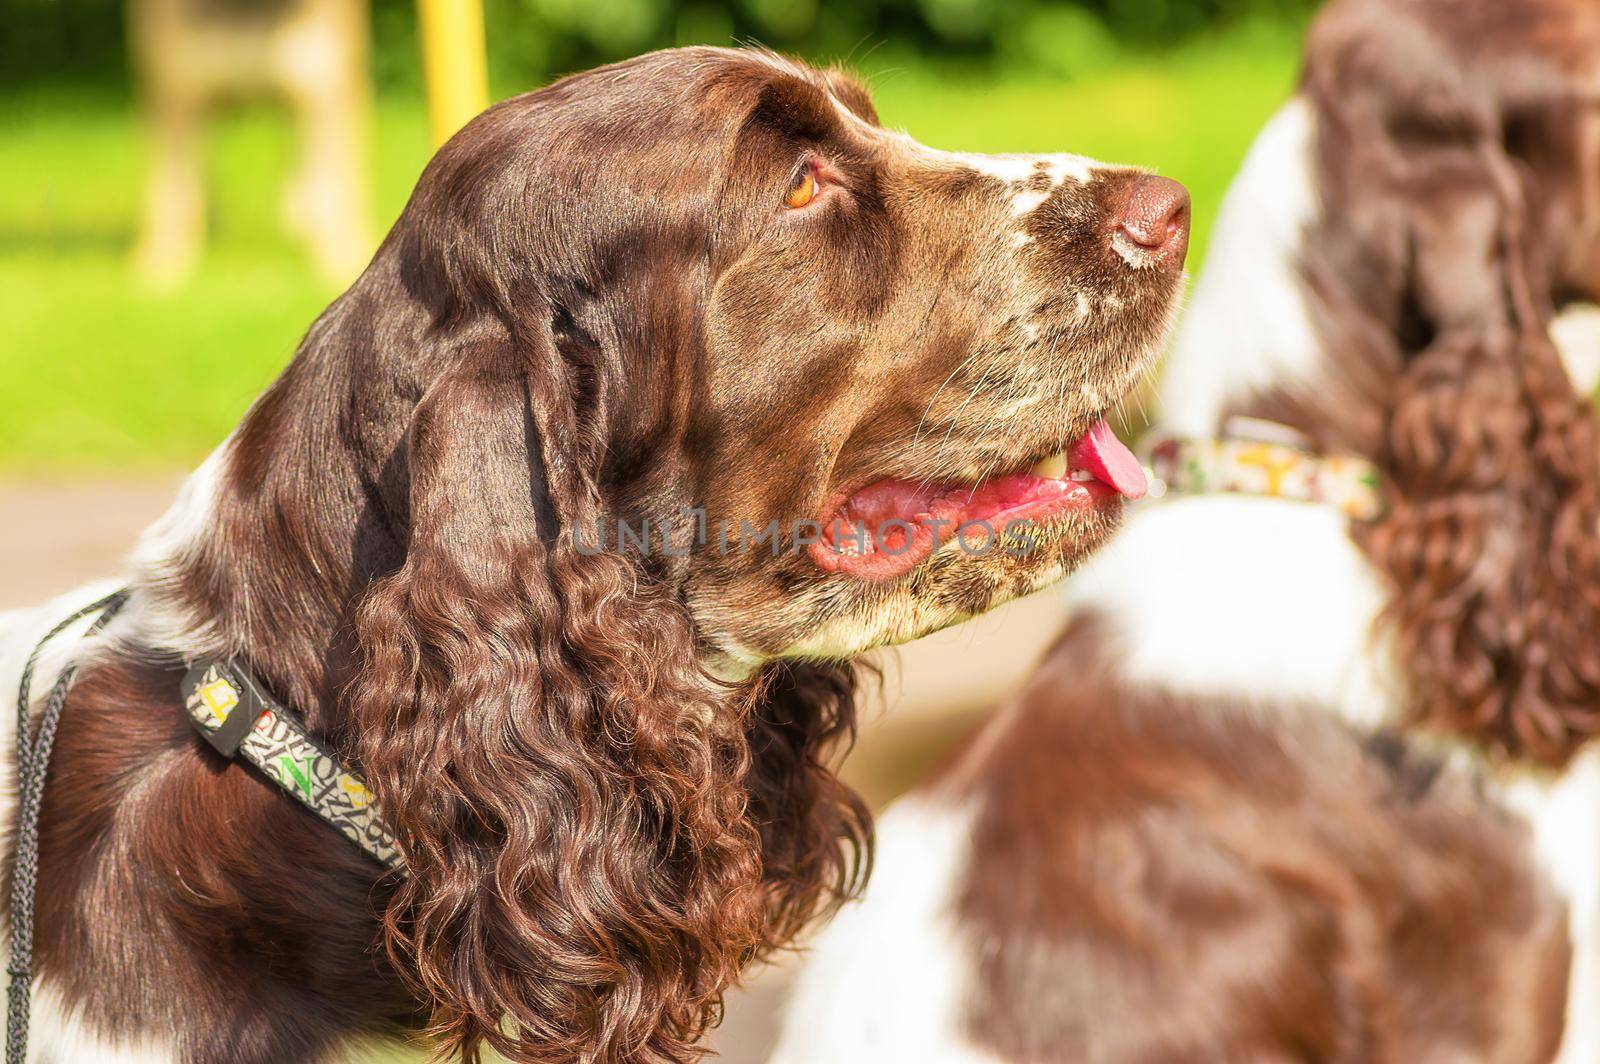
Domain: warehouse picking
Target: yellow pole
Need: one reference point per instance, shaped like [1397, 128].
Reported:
[453, 63]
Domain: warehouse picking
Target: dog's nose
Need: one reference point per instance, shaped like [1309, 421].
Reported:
[1155, 219]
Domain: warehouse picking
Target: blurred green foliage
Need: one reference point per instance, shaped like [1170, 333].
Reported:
[101, 374]
[83, 41]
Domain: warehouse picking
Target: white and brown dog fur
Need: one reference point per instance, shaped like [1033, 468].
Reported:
[1263, 607]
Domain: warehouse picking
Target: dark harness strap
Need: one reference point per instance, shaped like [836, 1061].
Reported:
[237, 718]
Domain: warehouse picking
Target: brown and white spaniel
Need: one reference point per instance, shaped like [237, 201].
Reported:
[1117, 874]
[1383, 489]
[553, 529]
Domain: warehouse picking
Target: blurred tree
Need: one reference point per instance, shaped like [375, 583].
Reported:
[83, 41]
[68, 40]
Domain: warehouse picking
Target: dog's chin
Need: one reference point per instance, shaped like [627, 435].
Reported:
[959, 582]
[901, 558]
[819, 617]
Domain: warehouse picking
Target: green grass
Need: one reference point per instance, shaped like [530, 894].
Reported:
[97, 374]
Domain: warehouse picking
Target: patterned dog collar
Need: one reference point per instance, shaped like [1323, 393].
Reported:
[1260, 467]
[237, 718]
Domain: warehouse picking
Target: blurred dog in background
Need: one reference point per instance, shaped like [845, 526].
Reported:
[191, 56]
[1383, 503]
[1111, 875]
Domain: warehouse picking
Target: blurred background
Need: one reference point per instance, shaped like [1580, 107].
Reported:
[184, 184]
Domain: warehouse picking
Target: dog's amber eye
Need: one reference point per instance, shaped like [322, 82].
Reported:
[803, 190]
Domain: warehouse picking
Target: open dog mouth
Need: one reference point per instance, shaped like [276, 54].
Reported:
[886, 529]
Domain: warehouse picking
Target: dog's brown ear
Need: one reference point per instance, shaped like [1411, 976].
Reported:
[568, 788]
[599, 835]
[1433, 284]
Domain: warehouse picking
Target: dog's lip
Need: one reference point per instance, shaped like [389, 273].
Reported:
[885, 529]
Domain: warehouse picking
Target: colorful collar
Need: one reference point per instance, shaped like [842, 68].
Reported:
[1244, 463]
[234, 714]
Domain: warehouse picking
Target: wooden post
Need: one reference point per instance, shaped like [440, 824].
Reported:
[453, 63]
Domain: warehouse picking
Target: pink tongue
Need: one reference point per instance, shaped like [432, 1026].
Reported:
[1108, 458]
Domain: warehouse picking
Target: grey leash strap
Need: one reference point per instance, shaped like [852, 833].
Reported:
[33, 760]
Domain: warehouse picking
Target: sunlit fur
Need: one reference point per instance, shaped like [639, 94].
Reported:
[612, 774]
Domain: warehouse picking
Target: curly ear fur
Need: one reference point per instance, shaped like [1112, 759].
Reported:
[804, 717]
[1430, 279]
[599, 835]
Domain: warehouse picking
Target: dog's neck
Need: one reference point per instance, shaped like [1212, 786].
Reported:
[1260, 598]
[273, 540]
[1238, 595]
[204, 586]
